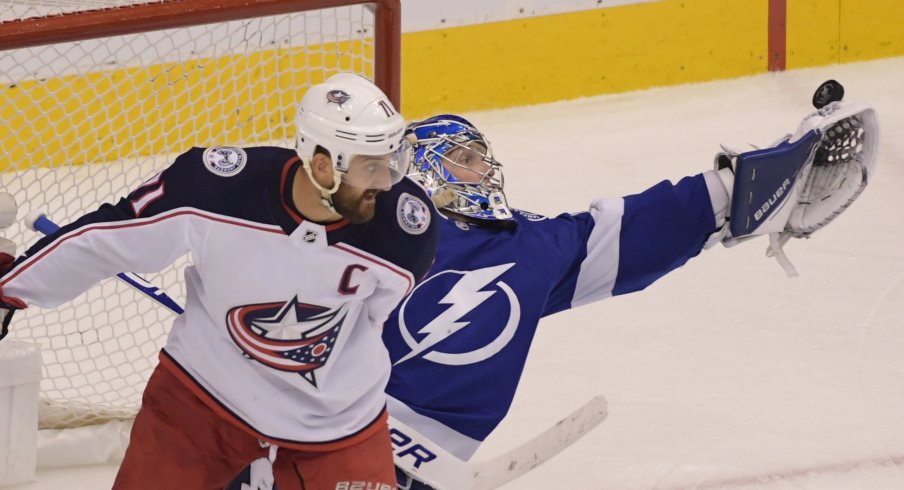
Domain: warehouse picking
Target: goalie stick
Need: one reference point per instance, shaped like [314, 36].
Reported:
[483, 475]
[495, 472]
[431, 464]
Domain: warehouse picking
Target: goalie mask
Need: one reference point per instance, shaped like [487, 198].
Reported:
[353, 120]
[455, 163]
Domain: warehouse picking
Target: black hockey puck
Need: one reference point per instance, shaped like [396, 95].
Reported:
[830, 91]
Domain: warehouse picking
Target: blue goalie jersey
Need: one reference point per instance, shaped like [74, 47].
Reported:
[459, 342]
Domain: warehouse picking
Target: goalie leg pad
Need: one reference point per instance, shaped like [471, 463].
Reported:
[766, 185]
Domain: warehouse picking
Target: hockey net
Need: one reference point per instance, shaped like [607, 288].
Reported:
[99, 95]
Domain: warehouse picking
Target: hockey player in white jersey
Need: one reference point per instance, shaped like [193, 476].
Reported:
[459, 342]
[299, 256]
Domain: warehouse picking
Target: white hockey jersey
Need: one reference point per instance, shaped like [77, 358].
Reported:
[281, 330]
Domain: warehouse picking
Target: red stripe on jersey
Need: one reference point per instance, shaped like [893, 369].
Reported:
[106, 225]
[18, 303]
[336, 225]
[150, 196]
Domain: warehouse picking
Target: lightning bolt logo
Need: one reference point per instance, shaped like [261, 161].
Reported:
[463, 297]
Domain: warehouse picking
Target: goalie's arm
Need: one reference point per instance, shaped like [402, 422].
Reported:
[665, 226]
[637, 239]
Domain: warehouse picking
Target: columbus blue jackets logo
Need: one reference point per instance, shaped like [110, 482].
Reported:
[457, 295]
[338, 97]
[291, 336]
[225, 161]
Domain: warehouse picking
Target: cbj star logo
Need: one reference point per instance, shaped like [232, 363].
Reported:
[465, 295]
[291, 336]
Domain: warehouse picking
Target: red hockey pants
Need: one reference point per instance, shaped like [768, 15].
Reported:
[178, 442]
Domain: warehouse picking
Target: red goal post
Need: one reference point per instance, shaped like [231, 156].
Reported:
[96, 97]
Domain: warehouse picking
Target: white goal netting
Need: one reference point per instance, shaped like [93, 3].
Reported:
[83, 122]
[24, 9]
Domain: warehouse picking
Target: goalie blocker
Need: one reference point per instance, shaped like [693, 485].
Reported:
[801, 183]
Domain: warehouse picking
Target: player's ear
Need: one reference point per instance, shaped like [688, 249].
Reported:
[322, 169]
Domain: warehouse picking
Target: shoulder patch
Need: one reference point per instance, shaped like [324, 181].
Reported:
[225, 161]
[413, 214]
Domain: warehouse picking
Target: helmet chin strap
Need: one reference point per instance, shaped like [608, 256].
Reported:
[443, 197]
[326, 195]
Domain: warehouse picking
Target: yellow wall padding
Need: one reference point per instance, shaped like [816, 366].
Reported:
[822, 32]
[564, 56]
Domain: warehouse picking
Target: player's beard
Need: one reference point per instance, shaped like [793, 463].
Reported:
[354, 204]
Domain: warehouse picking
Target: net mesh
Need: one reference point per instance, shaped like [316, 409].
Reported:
[18, 9]
[82, 123]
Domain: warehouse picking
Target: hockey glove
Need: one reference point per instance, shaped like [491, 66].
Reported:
[8, 211]
[805, 180]
[7, 305]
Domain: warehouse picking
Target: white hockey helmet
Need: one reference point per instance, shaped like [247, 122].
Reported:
[349, 116]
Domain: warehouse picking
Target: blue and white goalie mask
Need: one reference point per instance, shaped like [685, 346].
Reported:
[455, 163]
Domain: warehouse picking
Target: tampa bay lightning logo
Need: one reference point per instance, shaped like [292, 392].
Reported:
[430, 331]
[288, 336]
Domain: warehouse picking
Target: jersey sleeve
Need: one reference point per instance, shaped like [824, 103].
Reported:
[425, 250]
[662, 228]
[405, 229]
[144, 232]
[637, 239]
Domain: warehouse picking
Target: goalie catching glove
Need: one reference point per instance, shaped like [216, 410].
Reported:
[802, 182]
